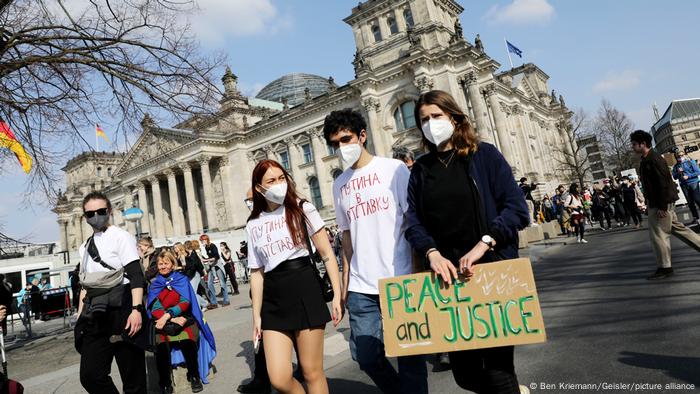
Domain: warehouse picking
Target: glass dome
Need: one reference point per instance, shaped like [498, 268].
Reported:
[292, 86]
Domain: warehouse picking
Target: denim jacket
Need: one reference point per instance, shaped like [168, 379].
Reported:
[503, 208]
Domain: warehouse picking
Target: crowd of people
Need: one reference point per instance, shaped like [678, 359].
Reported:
[445, 211]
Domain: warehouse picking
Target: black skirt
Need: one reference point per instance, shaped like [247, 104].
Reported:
[292, 298]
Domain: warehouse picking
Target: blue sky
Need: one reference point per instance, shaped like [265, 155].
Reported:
[631, 52]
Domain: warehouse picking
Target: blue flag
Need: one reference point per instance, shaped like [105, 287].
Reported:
[513, 49]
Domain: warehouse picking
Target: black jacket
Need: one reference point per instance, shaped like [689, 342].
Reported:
[503, 207]
[659, 188]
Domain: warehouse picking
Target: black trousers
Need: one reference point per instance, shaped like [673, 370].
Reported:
[96, 358]
[189, 351]
[632, 211]
[231, 273]
[485, 371]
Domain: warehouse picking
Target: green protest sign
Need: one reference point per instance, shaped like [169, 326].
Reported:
[498, 306]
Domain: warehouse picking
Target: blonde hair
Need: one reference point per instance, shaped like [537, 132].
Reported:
[166, 254]
[195, 245]
[179, 249]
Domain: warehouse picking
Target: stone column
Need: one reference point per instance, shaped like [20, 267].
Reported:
[129, 203]
[192, 209]
[295, 159]
[175, 210]
[228, 189]
[63, 229]
[324, 177]
[157, 208]
[481, 120]
[208, 193]
[143, 205]
[375, 131]
[501, 126]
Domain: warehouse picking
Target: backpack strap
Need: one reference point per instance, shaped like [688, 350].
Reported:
[95, 254]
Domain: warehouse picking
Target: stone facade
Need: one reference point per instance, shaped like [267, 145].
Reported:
[193, 177]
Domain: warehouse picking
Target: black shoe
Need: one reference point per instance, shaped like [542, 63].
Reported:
[255, 386]
[167, 390]
[196, 384]
[661, 273]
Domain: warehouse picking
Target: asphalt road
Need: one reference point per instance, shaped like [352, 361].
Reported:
[606, 325]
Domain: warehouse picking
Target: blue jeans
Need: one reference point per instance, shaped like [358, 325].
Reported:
[692, 195]
[367, 348]
[222, 280]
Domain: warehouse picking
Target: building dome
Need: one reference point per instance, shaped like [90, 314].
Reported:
[292, 86]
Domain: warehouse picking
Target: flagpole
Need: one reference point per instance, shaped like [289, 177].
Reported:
[508, 52]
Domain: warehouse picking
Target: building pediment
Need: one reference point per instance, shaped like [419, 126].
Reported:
[155, 144]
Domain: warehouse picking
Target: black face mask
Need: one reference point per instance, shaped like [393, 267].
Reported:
[98, 222]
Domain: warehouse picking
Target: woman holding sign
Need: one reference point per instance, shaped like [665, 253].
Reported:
[288, 305]
[464, 208]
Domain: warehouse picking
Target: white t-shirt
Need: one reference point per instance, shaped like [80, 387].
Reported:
[116, 247]
[371, 202]
[269, 240]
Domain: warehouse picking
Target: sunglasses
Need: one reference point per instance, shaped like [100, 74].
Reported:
[101, 212]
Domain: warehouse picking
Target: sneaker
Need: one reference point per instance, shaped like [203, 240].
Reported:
[444, 360]
[578, 240]
[698, 222]
[225, 303]
[661, 273]
[255, 386]
[212, 306]
[523, 389]
[583, 241]
[196, 384]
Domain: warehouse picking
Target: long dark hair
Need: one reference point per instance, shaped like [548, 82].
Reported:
[464, 139]
[573, 189]
[294, 214]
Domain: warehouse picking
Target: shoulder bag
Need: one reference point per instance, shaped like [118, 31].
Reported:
[324, 280]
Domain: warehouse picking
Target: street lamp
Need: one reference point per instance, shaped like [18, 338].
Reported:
[134, 215]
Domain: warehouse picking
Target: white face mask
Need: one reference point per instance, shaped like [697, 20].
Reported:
[350, 154]
[276, 193]
[438, 131]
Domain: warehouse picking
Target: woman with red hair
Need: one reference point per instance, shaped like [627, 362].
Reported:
[287, 303]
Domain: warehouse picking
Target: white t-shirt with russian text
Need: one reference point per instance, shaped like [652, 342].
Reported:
[116, 247]
[371, 203]
[269, 240]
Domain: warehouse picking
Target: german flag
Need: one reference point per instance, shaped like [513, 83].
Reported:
[9, 141]
[100, 132]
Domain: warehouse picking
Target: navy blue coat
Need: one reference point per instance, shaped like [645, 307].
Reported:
[503, 208]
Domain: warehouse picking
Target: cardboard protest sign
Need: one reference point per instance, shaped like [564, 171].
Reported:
[498, 306]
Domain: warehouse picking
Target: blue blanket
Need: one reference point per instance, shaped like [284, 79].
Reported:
[207, 345]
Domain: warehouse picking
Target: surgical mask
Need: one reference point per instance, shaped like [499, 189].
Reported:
[98, 222]
[350, 154]
[249, 204]
[276, 193]
[438, 131]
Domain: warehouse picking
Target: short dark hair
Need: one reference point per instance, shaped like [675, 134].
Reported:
[641, 137]
[346, 118]
[402, 153]
[523, 179]
[97, 196]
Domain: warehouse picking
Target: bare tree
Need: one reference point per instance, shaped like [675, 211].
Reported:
[66, 65]
[613, 128]
[572, 157]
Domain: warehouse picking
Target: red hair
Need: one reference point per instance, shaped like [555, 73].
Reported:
[294, 214]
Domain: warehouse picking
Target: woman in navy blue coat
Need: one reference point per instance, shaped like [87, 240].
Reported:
[464, 208]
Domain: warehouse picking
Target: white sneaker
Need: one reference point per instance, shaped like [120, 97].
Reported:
[523, 389]
[578, 239]
[583, 241]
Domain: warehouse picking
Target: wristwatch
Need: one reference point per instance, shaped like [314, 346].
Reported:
[138, 308]
[488, 241]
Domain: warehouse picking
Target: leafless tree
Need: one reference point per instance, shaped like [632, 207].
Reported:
[67, 64]
[572, 157]
[613, 128]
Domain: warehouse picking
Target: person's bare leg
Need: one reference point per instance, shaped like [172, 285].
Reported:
[278, 355]
[310, 348]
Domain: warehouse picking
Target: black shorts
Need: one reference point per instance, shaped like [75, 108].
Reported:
[292, 298]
